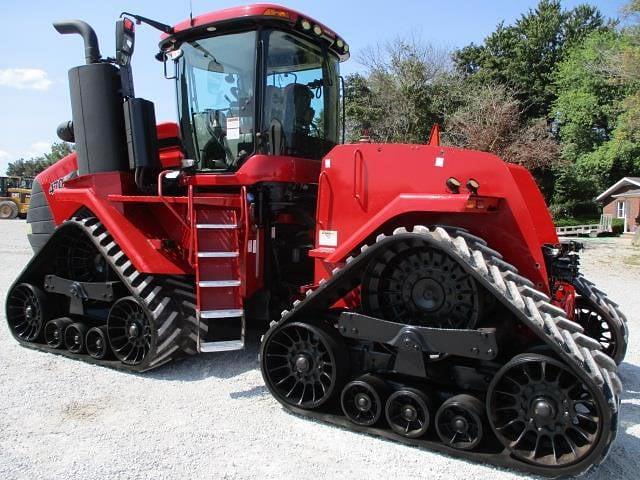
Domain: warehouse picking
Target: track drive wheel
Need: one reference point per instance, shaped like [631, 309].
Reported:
[542, 413]
[129, 331]
[423, 286]
[363, 399]
[607, 332]
[54, 331]
[26, 311]
[303, 364]
[408, 412]
[459, 422]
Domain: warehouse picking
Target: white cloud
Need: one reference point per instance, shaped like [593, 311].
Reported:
[37, 148]
[25, 78]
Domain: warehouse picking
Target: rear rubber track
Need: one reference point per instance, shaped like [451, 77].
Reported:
[168, 300]
[528, 305]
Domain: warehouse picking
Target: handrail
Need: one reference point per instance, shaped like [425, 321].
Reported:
[190, 215]
[358, 181]
[324, 178]
[245, 220]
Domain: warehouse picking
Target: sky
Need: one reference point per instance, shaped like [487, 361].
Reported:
[34, 58]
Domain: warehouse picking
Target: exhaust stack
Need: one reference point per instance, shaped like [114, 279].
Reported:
[88, 34]
[96, 107]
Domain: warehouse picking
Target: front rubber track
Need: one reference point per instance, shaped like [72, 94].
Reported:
[533, 308]
[168, 301]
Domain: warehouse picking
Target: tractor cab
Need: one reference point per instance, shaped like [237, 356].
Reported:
[255, 80]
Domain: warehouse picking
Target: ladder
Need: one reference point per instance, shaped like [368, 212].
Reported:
[217, 248]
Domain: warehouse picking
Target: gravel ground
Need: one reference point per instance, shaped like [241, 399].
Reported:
[210, 416]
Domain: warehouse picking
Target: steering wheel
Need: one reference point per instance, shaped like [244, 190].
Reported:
[216, 148]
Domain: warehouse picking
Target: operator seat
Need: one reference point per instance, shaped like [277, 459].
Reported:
[298, 113]
[298, 117]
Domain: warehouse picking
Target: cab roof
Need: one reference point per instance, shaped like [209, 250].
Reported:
[268, 10]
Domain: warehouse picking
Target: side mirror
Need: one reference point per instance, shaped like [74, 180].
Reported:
[125, 41]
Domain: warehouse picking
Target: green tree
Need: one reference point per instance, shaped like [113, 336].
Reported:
[523, 56]
[597, 114]
[33, 166]
[397, 100]
[588, 102]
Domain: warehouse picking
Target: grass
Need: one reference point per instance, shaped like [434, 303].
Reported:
[570, 222]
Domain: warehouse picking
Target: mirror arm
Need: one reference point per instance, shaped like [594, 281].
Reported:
[152, 23]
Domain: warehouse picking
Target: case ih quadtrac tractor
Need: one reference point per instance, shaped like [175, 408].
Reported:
[416, 292]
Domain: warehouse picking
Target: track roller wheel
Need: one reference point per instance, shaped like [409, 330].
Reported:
[303, 364]
[362, 400]
[459, 422]
[97, 342]
[129, 331]
[26, 312]
[607, 332]
[74, 336]
[408, 412]
[542, 413]
[54, 331]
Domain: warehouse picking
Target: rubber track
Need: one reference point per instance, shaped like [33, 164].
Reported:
[169, 301]
[532, 307]
[602, 302]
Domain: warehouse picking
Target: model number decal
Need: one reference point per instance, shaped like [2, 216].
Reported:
[55, 185]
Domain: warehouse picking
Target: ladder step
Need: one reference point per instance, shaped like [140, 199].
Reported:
[217, 254]
[225, 346]
[216, 226]
[219, 283]
[237, 312]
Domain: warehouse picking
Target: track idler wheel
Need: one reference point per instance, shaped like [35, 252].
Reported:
[303, 364]
[54, 331]
[459, 422]
[542, 413]
[408, 412]
[97, 342]
[607, 332]
[363, 400]
[129, 331]
[74, 336]
[26, 311]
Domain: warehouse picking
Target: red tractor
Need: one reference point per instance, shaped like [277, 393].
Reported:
[416, 292]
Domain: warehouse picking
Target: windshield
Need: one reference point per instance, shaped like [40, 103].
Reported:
[216, 78]
[301, 97]
[299, 92]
